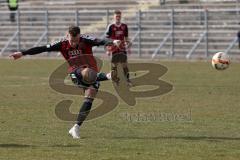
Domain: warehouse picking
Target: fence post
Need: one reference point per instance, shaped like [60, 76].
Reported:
[18, 31]
[76, 18]
[172, 29]
[206, 30]
[237, 7]
[162, 2]
[46, 26]
[107, 16]
[139, 35]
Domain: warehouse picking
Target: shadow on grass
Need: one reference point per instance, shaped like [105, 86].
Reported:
[16, 146]
[33, 146]
[62, 146]
[190, 138]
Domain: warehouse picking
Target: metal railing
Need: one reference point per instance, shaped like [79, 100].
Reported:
[234, 41]
[161, 44]
[45, 33]
[202, 36]
[9, 42]
[150, 31]
[16, 35]
[170, 34]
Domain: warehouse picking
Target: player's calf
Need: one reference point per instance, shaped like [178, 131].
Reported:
[83, 113]
[127, 75]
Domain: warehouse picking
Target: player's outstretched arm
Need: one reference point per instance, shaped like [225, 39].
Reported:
[31, 51]
[36, 50]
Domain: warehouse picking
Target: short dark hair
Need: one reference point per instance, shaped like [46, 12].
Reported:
[117, 12]
[74, 30]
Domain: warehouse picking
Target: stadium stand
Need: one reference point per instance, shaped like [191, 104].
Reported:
[198, 4]
[155, 23]
[60, 15]
[223, 23]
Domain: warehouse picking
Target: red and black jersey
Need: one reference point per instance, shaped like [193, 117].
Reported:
[81, 56]
[118, 32]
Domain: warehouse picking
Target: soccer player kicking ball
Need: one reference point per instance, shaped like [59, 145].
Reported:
[83, 70]
[119, 31]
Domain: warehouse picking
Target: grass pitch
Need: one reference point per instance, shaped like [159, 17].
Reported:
[198, 119]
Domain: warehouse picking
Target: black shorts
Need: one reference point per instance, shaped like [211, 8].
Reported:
[120, 57]
[76, 77]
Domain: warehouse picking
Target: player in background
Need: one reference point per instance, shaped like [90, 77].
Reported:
[77, 51]
[119, 31]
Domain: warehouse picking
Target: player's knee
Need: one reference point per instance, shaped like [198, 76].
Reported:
[89, 76]
[114, 68]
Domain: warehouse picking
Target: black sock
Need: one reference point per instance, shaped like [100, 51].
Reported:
[84, 111]
[102, 76]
